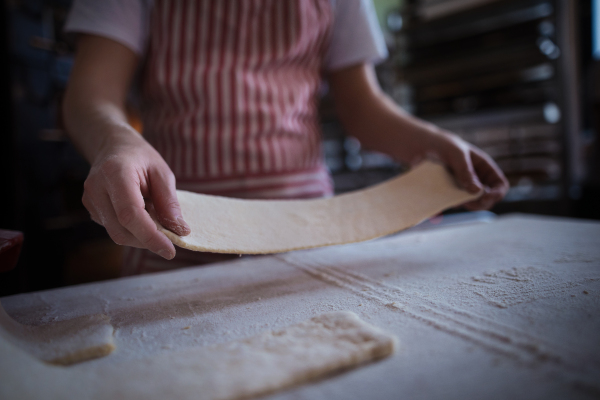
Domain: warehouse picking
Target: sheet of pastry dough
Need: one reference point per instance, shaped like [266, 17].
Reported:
[240, 369]
[236, 226]
[64, 342]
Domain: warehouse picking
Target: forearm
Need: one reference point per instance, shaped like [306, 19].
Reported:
[127, 175]
[368, 114]
[94, 106]
[382, 126]
[93, 124]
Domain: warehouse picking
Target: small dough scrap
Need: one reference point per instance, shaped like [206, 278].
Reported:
[237, 226]
[63, 343]
[241, 369]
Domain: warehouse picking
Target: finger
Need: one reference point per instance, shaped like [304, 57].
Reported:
[87, 203]
[128, 204]
[461, 165]
[479, 204]
[106, 217]
[89, 192]
[487, 200]
[166, 205]
[494, 195]
[490, 174]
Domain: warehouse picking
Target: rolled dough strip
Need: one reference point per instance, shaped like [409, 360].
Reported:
[226, 225]
[63, 343]
[263, 364]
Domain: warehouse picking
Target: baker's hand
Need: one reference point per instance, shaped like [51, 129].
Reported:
[473, 169]
[126, 171]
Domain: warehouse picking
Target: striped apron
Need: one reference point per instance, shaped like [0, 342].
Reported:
[230, 95]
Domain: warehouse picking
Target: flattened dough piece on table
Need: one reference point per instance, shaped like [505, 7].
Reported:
[246, 368]
[226, 225]
[291, 356]
[65, 342]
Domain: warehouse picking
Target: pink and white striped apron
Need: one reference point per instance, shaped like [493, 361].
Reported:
[230, 101]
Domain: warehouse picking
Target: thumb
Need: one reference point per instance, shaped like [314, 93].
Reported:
[166, 205]
[462, 167]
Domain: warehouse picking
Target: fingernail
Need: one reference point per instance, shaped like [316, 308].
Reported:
[165, 254]
[184, 226]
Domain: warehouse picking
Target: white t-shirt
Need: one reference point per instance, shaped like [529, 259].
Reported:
[356, 36]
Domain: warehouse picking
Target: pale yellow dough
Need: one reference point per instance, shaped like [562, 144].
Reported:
[225, 225]
[245, 368]
[65, 342]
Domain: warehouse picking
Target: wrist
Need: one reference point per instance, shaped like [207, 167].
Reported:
[423, 141]
[114, 139]
[438, 141]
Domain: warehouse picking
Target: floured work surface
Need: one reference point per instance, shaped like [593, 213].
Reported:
[225, 225]
[237, 370]
[506, 309]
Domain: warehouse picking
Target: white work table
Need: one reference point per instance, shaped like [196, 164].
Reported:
[496, 310]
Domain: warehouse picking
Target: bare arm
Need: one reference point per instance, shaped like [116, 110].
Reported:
[126, 170]
[373, 118]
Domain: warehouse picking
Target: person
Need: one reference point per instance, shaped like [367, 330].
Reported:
[229, 93]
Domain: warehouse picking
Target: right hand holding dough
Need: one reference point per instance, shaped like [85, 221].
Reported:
[126, 171]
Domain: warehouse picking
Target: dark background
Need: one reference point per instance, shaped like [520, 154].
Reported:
[516, 78]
